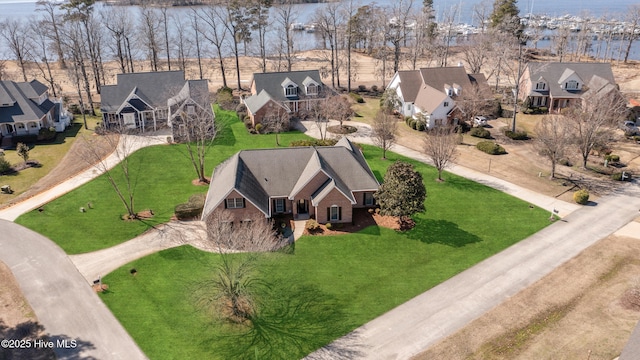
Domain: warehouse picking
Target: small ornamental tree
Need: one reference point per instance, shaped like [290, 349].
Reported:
[23, 151]
[403, 193]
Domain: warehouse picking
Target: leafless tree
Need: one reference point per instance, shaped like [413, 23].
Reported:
[385, 128]
[117, 20]
[349, 9]
[254, 233]
[447, 31]
[633, 18]
[337, 107]
[75, 46]
[276, 120]
[121, 176]
[285, 17]
[400, 13]
[237, 17]
[329, 20]
[474, 101]
[215, 33]
[561, 42]
[40, 53]
[198, 130]
[51, 23]
[440, 146]
[592, 120]
[165, 30]
[553, 137]
[149, 28]
[194, 21]
[318, 115]
[476, 52]
[15, 33]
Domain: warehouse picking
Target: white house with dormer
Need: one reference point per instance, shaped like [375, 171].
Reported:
[558, 85]
[431, 93]
[292, 91]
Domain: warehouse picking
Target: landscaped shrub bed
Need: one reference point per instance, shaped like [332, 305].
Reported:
[490, 148]
[356, 97]
[313, 142]
[516, 135]
[191, 209]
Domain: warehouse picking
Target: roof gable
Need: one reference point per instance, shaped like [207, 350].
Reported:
[20, 96]
[554, 72]
[275, 82]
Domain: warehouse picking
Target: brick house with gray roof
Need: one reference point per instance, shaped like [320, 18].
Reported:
[149, 101]
[293, 91]
[558, 85]
[325, 182]
[25, 108]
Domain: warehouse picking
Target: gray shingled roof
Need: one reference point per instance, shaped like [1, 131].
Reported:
[263, 173]
[410, 83]
[256, 102]
[272, 82]
[153, 87]
[23, 108]
[552, 72]
[438, 77]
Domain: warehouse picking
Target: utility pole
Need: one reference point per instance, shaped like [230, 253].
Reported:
[516, 90]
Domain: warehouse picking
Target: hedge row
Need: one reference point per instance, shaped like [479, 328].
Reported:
[490, 148]
[313, 142]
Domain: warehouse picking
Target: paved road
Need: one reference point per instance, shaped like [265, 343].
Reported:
[424, 320]
[61, 299]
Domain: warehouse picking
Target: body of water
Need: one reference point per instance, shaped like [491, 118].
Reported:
[463, 11]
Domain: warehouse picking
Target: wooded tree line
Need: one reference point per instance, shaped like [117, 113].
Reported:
[403, 35]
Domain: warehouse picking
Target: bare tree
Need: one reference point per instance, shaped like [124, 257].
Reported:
[440, 146]
[633, 18]
[122, 176]
[476, 52]
[397, 32]
[149, 28]
[193, 17]
[276, 120]
[214, 33]
[553, 137]
[197, 129]
[474, 101]
[15, 33]
[40, 54]
[592, 120]
[165, 30]
[329, 20]
[337, 107]
[385, 128]
[318, 115]
[285, 16]
[51, 23]
[75, 46]
[237, 17]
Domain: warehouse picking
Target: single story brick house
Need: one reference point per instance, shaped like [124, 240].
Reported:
[325, 182]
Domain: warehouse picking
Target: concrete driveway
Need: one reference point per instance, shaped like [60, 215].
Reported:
[63, 302]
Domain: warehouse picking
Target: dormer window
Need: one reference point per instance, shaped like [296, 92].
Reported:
[541, 85]
[448, 90]
[571, 85]
[312, 89]
[291, 90]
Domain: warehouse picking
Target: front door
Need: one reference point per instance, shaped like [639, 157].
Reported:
[303, 206]
[9, 129]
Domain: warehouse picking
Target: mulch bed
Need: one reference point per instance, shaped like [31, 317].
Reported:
[345, 129]
[362, 219]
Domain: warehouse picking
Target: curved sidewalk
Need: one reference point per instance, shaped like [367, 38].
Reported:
[63, 303]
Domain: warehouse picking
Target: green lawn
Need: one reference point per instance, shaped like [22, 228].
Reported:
[164, 175]
[359, 276]
[48, 155]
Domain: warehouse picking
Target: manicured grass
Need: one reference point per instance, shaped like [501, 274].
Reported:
[47, 154]
[361, 275]
[163, 180]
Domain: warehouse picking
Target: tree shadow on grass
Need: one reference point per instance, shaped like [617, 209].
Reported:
[292, 321]
[441, 232]
[480, 186]
[31, 340]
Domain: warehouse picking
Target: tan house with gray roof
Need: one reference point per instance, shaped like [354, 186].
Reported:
[558, 85]
[433, 92]
[325, 182]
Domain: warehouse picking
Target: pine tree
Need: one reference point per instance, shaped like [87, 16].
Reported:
[505, 17]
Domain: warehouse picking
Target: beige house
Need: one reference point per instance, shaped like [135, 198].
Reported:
[558, 85]
[326, 183]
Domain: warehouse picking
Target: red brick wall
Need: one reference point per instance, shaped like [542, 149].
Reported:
[335, 197]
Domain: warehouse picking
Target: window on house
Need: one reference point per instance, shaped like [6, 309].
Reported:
[335, 213]
[408, 106]
[446, 104]
[312, 89]
[279, 205]
[235, 203]
[291, 90]
[541, 86]
[571, 85]
[368, 199]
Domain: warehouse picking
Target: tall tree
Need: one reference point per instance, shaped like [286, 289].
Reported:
[276, 120]
[198, 131]
[505, 17]
[328, 20]
[553, 137]
[165, 31]
[337, 107]
[41, 43]
[193, 17]
[260, 26]
[51, 23]
[397, 32]
[15, 33]
[402, 193]
[440, 146]
[74, 43]
[385, 128]
[215, 33]
[238, 19]
[149, 28]
[633, 19]
[285, 17]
